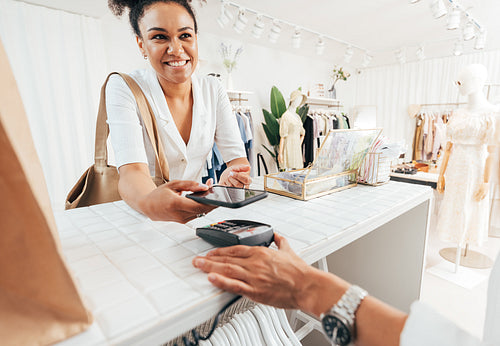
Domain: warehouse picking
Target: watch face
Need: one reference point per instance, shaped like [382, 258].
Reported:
[336, 330]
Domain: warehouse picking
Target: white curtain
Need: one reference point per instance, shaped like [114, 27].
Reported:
[59, 64]
[393, 88]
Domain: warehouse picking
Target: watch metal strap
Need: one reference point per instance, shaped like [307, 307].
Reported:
[350, 301]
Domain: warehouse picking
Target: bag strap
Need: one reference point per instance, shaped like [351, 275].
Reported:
[149, 121]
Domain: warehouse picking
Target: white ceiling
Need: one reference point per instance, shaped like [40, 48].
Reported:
[379, 26]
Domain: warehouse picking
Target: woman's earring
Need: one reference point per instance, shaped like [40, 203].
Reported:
[145, 57]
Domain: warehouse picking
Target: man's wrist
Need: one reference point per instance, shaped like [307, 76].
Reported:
[320, 291]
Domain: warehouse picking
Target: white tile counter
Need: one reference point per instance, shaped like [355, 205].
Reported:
[136, 275]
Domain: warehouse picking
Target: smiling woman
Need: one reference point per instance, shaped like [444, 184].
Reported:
[192, 114]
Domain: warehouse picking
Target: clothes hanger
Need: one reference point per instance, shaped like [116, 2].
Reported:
[240, 331]
[253, 328]
[215, 339]
[222, 335]
[235, 324]
[287, 327]
[269, 336]
[247, 328]
[231, 334]
[276, 324]
[205, 343]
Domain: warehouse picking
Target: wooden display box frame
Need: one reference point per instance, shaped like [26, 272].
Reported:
[304, 186]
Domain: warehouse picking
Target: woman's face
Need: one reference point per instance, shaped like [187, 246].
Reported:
[169, 40]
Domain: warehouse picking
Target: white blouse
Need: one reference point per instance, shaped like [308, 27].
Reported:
[424, 326]
[213, 121]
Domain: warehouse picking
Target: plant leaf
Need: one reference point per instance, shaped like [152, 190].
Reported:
[271, 123]
[269, 151]
[272, 137]
[278, 106]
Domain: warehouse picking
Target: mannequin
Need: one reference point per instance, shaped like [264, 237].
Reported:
[466, 165]
[292, 134]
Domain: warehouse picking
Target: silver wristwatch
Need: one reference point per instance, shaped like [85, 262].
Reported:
[338, 323]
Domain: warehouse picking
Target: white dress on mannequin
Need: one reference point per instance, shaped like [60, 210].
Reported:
[291, 130]
[463, 220]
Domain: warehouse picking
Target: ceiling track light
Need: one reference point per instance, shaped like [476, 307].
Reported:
[241, 21]
[469, 32]
[438, 9]
[366, 60]
[320, 46]
[454, 17]
[275, 29]
[480, 39]
[258, 27]
[225, 16]
[420, 53]
[275, 32]
[349, 52]
[296, 38]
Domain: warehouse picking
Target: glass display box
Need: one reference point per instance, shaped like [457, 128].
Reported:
[335, 166]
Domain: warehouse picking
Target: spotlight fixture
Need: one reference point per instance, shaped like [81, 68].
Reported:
[366, 60]
[420, 53]
[469, 33]
[349, 52]
[400, 56]
[225, 16]
[453, 19]
[241, 21]
[274, 34]
[258, 27]
[458, 48]
[438, 9]
[296, 38]
[320, 46]
[480, 39]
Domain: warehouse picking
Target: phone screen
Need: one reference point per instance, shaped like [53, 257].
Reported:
[232, 197]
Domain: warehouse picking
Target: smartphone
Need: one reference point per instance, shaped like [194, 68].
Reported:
[226, 196]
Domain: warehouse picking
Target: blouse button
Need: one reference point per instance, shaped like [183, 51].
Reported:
[183, 160]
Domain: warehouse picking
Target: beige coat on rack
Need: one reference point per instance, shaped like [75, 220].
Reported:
[292, 134]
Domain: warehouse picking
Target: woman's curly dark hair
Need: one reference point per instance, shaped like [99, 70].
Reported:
[136, 10]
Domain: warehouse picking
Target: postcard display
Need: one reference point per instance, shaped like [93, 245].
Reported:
[334, 168]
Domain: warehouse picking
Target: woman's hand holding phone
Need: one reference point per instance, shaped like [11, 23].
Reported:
[236, 175]
[165, 203]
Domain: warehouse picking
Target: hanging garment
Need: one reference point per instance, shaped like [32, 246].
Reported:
[346, 118]
[439, 137]
[418, 143]
[290, 131]
[308, 143]
[461, 219]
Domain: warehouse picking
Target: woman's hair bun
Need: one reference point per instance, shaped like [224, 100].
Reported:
[119, 6]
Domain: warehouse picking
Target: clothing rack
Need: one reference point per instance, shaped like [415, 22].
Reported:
[237, 96]
[443, 104]
[324, 101]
